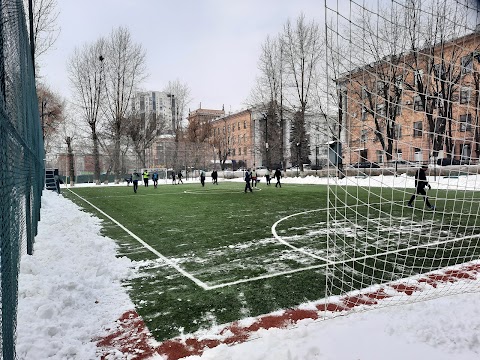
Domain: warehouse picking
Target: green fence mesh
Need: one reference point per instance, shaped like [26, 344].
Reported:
[21, 162]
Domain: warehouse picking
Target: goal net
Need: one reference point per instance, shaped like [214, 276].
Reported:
[404, 83]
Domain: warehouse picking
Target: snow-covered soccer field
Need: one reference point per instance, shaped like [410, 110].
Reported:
[245, 278]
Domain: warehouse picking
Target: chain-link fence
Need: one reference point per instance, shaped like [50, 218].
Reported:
[21, 161]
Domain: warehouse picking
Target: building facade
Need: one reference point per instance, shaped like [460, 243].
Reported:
[245, 139]
[160, 103]
[418, 107]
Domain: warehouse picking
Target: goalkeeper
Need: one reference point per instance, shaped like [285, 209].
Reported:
[420, 184]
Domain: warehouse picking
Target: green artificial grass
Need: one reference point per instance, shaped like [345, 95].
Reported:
[223, 237]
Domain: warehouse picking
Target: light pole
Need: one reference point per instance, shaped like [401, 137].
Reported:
[44, 105]
[265, 117]
[298, 155]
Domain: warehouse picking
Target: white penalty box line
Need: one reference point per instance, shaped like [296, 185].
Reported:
[147, 246]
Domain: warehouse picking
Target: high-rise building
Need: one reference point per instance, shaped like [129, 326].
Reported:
[160, 103]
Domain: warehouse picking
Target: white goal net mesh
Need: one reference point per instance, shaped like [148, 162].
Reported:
[404, 79]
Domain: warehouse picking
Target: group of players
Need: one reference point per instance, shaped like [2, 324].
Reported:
[251, 180]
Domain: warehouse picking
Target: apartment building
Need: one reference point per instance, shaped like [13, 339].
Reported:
[418, 107]
[244, 139]
[160, 103]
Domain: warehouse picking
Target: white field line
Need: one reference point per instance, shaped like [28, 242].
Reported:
[331, 263]
[167, 260]
[215, 192]
[286, 243]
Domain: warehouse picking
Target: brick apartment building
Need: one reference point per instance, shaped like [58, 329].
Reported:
[394, 110]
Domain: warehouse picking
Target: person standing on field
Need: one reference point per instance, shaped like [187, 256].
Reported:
[267, 176]
[155, 179]
[248, 178]
[420, 184]
[179, 177]
[173, 178]
[135, 179]
[145, 178]
[254, 177]
[214, 177]
[202, 178]
[278, 175]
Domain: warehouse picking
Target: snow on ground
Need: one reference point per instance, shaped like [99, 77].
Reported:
[70, 294]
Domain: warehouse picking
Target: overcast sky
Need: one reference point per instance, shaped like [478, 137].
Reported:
[211, 45]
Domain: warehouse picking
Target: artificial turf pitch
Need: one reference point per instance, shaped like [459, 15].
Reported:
[222, 238]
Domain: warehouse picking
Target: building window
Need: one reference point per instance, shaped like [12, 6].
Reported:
[440, 124]
[363, 135]
[239, 125]
[245, 150]
[364, 113]
[239, 140]
[467, 64]
[465, 152]
[417, 129]
[399, 154]
[399, 82]
[465, 95]
[233, 152]
[466, 122]
[380, 155]
[239, 151]
[397, 132]
[417, 103]
[244, 139]
[245, 124]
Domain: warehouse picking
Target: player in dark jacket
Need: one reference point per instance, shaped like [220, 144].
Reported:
[248, 178]
[278, 175]
[420, 184]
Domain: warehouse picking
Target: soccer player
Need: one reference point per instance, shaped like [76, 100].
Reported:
[420, 184]
[248, 178]
[145, 177]
[135, 178]
[278, 175]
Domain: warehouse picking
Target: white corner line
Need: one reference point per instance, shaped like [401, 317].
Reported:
[167, 260]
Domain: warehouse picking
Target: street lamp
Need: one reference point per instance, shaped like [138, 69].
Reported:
[298, 155]
[265, 117]
[44, 105]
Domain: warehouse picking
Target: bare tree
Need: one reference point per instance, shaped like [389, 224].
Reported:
[435, 61]
[268, 94]
[180, 95]
[303, 49]
[86, 73]
[143, 129]
[380, 86]
[124, 70]
[197, 135]
[44, 25]
[51, 108]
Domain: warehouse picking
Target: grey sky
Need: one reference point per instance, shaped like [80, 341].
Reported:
[212, 45]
